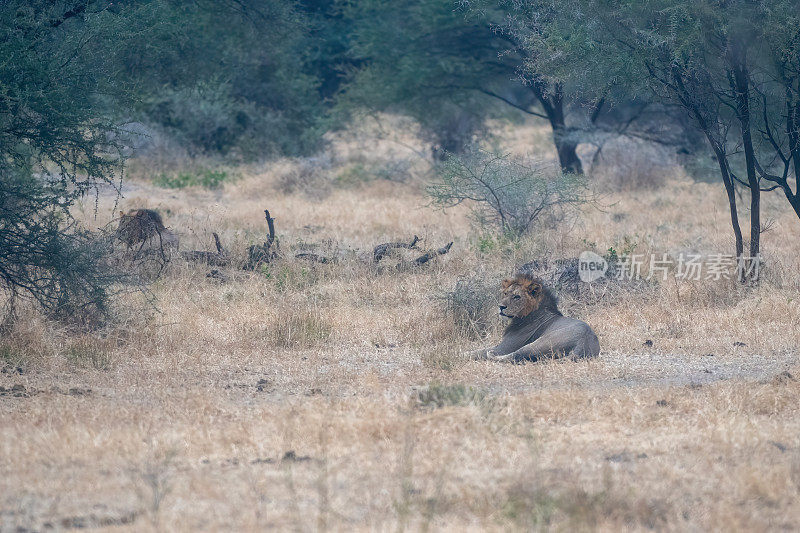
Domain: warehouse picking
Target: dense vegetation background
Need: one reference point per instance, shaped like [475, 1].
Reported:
[85, 84]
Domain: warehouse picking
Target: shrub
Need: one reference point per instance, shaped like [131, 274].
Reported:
[471, 304]
[49, 258]
[59, 142]
[510, 194]
[309, 176]
[451, 129]
[216, 118]
[631, 164]
[497, 243]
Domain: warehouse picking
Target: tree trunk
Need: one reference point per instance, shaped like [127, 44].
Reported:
[719, 150]
[741, 81]
[731, 192]
[553, 105]
[793, 132]
[567, 157]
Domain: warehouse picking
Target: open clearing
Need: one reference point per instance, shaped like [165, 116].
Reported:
[332, 396]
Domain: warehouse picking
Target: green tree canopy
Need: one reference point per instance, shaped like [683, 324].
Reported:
[429, 59]
[73, 72]
[732, 65]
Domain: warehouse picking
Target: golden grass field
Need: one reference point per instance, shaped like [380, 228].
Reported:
[333, 397]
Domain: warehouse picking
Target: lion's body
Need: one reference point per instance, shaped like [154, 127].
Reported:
[143, 229]
[537, 329]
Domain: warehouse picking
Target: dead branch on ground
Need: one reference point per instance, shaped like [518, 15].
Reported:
[382, 250]
[267, 252]
[424, 258]
[218, 258]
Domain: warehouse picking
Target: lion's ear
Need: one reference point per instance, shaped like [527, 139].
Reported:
[506, 283]
[535, 288]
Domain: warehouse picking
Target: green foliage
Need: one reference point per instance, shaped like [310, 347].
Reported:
[232, 78]
[734, 68]
[492, 243]
[451, 65]
[58, 100]
[509, 195]
[430, 61]
[486, 243]
[206, 178]
[621, 249]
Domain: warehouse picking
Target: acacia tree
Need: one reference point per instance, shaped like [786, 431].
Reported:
[732, 65]
[56, 144]
[424, 57]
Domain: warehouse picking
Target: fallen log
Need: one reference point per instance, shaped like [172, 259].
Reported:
[382, 250]
[314, 258]
[424, 258]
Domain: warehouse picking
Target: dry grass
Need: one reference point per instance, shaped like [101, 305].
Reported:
[309, 396]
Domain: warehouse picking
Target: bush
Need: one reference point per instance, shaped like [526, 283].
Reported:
[49, 258]
[60, 142]
[452, 129]
[210, 119]
[309, 176]
[630, 164]
[471, 304]
[510, 194]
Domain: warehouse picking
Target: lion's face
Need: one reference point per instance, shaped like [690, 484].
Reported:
[520, 297]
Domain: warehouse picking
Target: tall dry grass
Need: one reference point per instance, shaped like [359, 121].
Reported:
[333, 396]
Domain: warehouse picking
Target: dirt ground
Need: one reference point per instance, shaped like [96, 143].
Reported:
[310, 396]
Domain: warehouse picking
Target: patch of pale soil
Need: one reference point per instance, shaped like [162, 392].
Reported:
[399, 372]
[625, 370]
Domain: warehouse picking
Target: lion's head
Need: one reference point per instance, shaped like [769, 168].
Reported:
[139, 225]
[522, 295]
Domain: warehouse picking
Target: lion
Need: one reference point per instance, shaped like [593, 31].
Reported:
[144, 228]
[537, 329]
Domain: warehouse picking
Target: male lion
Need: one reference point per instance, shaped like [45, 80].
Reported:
[537, 330]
